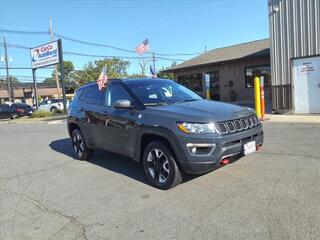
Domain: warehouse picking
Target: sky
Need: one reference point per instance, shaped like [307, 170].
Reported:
[176, 26]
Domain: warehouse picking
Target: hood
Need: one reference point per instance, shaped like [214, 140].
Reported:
[203, 111]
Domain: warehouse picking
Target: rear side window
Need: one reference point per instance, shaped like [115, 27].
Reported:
[92, 95]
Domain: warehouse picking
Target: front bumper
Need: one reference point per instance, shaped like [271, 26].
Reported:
[226, 146]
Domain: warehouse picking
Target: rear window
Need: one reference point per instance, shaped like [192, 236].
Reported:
[92, 95]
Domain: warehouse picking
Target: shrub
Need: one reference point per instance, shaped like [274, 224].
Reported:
[41, 114]
[57, 111]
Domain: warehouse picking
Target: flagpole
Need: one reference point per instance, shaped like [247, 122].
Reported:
[143, 65]
[154, 62]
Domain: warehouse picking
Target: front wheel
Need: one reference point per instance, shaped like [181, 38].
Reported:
[160, 166]
[79, 146]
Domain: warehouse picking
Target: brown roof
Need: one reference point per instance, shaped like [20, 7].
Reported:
[258, 48]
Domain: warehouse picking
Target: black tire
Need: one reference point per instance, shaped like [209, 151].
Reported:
[80, 148]
[165, 173]
[14, 116]
[53, 109]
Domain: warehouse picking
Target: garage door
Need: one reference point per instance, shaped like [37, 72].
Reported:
[306, 80]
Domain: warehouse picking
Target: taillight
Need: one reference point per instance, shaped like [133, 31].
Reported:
[20, 110]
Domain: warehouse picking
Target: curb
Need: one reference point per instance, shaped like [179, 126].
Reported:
[33, 120]
[293, 118]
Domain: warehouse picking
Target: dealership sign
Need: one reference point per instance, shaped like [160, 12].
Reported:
[45, 55]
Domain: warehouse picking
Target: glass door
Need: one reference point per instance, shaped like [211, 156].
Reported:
[214, 85]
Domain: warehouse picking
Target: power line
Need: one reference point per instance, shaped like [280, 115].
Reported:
[23, 32]
[23, 76]
[95, 55]
[26, 68]
[93, 43]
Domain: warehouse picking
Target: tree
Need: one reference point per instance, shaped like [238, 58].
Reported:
[135, 75]
[68, 70]
[168, 75]
[116, 68]
[3, 81]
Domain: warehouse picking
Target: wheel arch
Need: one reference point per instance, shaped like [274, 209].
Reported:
[167, 138]
[72, 126]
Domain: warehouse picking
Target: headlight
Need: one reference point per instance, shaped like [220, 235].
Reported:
[197, 127]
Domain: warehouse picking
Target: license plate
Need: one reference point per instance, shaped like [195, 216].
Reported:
[249, 147]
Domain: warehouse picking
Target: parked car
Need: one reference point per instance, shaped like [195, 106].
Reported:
[163, 125]
[50, 105]
[15, 110]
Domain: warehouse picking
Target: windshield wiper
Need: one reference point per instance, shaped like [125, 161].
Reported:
[187, 100]
[156, 104]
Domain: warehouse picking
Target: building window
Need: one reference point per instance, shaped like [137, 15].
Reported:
[192, 81]
[257, 71]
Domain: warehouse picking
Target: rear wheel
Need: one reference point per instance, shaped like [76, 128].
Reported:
[14, 116]
[79, 146]
[53, 109]
[160, 166]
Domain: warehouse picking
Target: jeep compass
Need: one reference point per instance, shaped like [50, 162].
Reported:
[166, 127]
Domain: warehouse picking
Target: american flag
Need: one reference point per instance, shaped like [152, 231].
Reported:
[143, 47]
[103, 79]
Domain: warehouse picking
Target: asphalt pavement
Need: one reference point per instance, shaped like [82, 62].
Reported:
[46, 194]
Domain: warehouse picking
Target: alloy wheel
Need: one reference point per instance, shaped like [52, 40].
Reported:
[158, 165]
[78, 144]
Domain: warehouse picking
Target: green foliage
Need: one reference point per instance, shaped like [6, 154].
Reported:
[167, 75]
[116, 68]
[68, 73]
[3, 81]
[41, 114]
[57, 112]
[44, 114]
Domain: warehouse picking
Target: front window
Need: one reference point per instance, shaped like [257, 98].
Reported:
[158, 92]
[116, 92]
[257, 71]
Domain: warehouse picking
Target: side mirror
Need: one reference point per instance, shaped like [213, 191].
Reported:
[122, 104]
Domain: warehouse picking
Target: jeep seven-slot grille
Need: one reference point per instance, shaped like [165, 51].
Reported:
[238, 124]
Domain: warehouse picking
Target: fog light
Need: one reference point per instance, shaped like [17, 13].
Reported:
[201, 148]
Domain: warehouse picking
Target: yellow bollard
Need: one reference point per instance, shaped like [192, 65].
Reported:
[257, 96]
[208, 93]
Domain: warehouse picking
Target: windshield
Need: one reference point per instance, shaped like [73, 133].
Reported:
[162, 92]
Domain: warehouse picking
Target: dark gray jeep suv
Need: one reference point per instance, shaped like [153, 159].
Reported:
[165, 126]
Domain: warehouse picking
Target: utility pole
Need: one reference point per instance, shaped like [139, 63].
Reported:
[7, 68]
[56, 76]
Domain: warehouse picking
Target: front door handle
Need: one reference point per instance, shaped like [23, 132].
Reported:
[105, 112]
